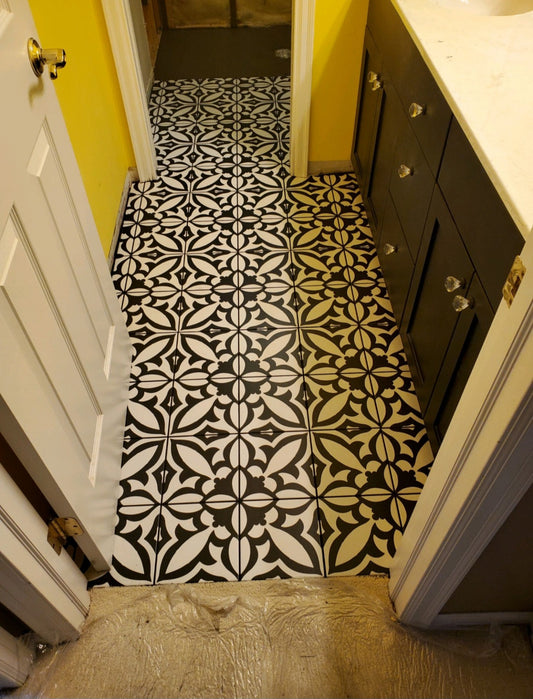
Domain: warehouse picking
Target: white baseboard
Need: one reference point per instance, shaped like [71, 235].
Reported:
[328, 167]
[15, 660]
[131, 176]
[454, 621]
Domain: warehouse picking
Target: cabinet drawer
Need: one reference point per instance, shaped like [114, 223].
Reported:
[427, 110]
[412, 79]
[395, 260]
[411, 192]
[485, 225]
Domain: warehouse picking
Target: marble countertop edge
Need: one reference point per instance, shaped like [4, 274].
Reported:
[483, 66]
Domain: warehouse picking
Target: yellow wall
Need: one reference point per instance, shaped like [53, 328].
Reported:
[91, 102]
[337, 53]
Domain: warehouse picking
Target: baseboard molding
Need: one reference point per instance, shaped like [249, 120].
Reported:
[131, 176]
[455, 621]
[329, 167]
[15, 661]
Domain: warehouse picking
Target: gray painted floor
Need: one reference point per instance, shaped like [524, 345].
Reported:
[222, 53]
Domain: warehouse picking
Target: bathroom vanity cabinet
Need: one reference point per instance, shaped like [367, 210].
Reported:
[444, 238]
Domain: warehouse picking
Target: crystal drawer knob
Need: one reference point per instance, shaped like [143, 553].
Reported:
[371, 77]
[377, 85]
[452, 284]
[404, 171]
[461, 303]
[389, 249]
[416, 110]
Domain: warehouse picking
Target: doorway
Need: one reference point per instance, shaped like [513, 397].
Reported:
[218, 38]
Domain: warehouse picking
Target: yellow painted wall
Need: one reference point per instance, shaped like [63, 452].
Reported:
[337, 54]
[91, 102]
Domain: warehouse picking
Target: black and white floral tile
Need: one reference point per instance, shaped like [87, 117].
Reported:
[272, 428]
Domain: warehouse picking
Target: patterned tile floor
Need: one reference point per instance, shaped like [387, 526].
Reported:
[272, 428]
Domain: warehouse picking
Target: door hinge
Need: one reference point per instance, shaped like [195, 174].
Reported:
[513, 281]
[59, 529]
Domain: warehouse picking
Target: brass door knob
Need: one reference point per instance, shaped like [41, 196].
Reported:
[53, 58]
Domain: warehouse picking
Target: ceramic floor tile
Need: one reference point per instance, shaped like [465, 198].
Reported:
[205, 353]
[342, 460]
[269, 350]
[331, 302]
[354, 542]
[198, 542]
[202, 468]
[277, 466]
[269, 305]
[323, 267]
[208, 406]
[279, 539]
[135, 543]
[153, 355]
[332, 348]
[272, 427]
[340, 402]
[272, 404]
[143, 473]
[148, 411]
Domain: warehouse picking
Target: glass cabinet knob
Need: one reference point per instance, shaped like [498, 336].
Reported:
[377, 85]
[452, 284]
[404, 171]
[371, 77]
[389, 249]
[461, 303]
[416, 110]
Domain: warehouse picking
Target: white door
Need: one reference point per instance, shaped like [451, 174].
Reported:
[64, 348]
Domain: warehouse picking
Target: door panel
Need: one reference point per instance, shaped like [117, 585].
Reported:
[65, 352]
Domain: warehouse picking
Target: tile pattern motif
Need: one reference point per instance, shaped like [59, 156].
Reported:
[272, 428]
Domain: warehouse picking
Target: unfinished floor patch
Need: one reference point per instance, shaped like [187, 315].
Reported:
[292, 638]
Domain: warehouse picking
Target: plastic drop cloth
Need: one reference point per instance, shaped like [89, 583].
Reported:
[335, 637]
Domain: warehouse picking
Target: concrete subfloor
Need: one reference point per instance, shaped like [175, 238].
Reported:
[335, 637]
[222, 52]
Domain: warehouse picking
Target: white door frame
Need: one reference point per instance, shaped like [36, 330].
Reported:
[123, 44]
[124, 47]
[479, 474]
[303, 31]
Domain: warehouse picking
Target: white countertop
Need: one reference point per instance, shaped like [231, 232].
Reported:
[484, 66]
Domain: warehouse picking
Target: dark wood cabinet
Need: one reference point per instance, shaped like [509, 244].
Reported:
[437, 221]
[370, 97]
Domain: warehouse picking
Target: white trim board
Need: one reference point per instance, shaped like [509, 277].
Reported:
[122, 37]
[303, 30]
[15, 660]
[46, 591]
[481, 472]
[131, 176]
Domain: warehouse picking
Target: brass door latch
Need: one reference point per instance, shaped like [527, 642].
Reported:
[59, 529]
[513, 281]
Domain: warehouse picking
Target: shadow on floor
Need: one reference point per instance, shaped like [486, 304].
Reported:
[222, 52]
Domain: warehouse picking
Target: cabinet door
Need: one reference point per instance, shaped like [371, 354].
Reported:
[395, 260]
[430, 319]
[377, 190]
[472, 327]
[486, 226]
[370, 96]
